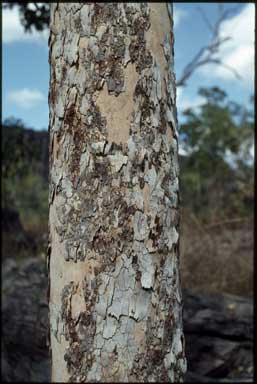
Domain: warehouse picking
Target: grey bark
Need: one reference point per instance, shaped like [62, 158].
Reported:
[115, 300]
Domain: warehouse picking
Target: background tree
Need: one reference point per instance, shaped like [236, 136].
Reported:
[115, 302]
[24, 188]
[217, 171]
[25, 173]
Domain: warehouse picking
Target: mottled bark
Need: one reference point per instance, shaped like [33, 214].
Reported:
[115, 301]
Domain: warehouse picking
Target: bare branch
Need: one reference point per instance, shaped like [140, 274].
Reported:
[206, 55]
[219, 62]
[205, 18]
[36, 6]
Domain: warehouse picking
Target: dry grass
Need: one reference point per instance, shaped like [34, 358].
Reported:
[217, 257]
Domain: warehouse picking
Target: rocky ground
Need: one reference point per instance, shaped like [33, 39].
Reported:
[218, 330]
[219, 337]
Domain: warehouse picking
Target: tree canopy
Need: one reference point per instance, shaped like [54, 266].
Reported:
[35, 15]
[217, 138]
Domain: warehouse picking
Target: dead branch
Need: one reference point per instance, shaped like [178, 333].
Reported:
[226, 222]
[208, 54]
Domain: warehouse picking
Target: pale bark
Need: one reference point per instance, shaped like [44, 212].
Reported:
[115, 301]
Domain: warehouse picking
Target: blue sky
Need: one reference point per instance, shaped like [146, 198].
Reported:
[26, 69]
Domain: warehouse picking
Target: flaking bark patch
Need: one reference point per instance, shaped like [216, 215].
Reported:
[118, 110]
[156, 35]
[115, 305]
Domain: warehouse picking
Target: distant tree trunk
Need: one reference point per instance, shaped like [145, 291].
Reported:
[115, 301]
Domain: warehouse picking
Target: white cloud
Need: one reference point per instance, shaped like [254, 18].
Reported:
[26, 98]
[184, 102]
[13, 31]
[33, 7]
[238, 52]
[178, 15]
[182, 151]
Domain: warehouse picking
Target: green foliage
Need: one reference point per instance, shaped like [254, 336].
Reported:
[36, 15]
[216, 174]
[25, 173]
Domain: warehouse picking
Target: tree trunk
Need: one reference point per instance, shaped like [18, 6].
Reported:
[115, 301]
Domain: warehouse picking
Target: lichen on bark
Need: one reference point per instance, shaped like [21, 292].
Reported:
[115, 302]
